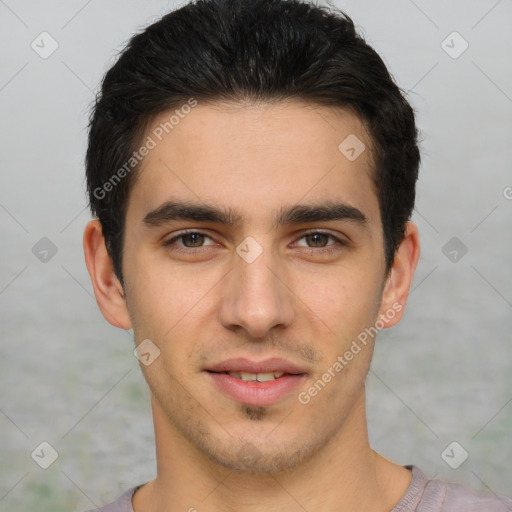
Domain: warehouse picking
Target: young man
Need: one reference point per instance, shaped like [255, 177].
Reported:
[252, 168]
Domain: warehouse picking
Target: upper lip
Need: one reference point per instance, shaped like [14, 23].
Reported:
[241, 364]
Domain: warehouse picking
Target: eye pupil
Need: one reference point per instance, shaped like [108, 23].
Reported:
[190, 235]
[315, 235]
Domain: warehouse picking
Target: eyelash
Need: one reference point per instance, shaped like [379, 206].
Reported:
[322, 250]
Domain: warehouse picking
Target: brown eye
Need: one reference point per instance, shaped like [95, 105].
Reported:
[189, 239]
[196, 239]
[316, 238]
[318, 243]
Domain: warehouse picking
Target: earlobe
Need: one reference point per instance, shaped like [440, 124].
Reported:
[398, 283]
[107, 288]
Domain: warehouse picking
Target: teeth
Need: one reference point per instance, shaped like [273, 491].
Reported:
[264, 377]
[260, 377]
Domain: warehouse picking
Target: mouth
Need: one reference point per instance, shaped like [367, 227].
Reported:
[256, 383]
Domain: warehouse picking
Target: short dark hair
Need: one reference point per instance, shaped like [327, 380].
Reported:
[256, 50]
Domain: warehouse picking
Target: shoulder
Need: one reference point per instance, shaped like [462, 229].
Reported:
[454, 497]
[122, 504]
[460, 497]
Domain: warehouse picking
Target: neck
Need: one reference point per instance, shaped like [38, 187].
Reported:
[345, 475]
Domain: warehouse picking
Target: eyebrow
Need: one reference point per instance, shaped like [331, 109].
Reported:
[297, 214]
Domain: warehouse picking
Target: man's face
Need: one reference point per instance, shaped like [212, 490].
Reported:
[254, 296]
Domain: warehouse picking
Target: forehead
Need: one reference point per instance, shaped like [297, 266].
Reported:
[256, 158]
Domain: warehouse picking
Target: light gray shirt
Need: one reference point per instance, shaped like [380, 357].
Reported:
[422, 495]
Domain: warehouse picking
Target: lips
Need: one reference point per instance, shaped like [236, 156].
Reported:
[241, 364]
[256, 383]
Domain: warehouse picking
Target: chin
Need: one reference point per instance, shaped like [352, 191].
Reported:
[250, 459]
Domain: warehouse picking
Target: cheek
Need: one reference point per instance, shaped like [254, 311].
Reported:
[156, 291]
[167, 305]
[345, 299]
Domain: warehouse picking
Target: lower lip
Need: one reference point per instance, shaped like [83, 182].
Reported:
[256, 393]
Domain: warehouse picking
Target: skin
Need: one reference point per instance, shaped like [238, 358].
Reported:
[294, 301]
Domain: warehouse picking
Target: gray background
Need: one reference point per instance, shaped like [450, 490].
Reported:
[69, 378]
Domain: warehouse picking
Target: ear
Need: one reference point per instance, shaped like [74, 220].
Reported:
[107, 287]
[398, 282]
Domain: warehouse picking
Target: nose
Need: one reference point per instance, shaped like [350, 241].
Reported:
[257, 296]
